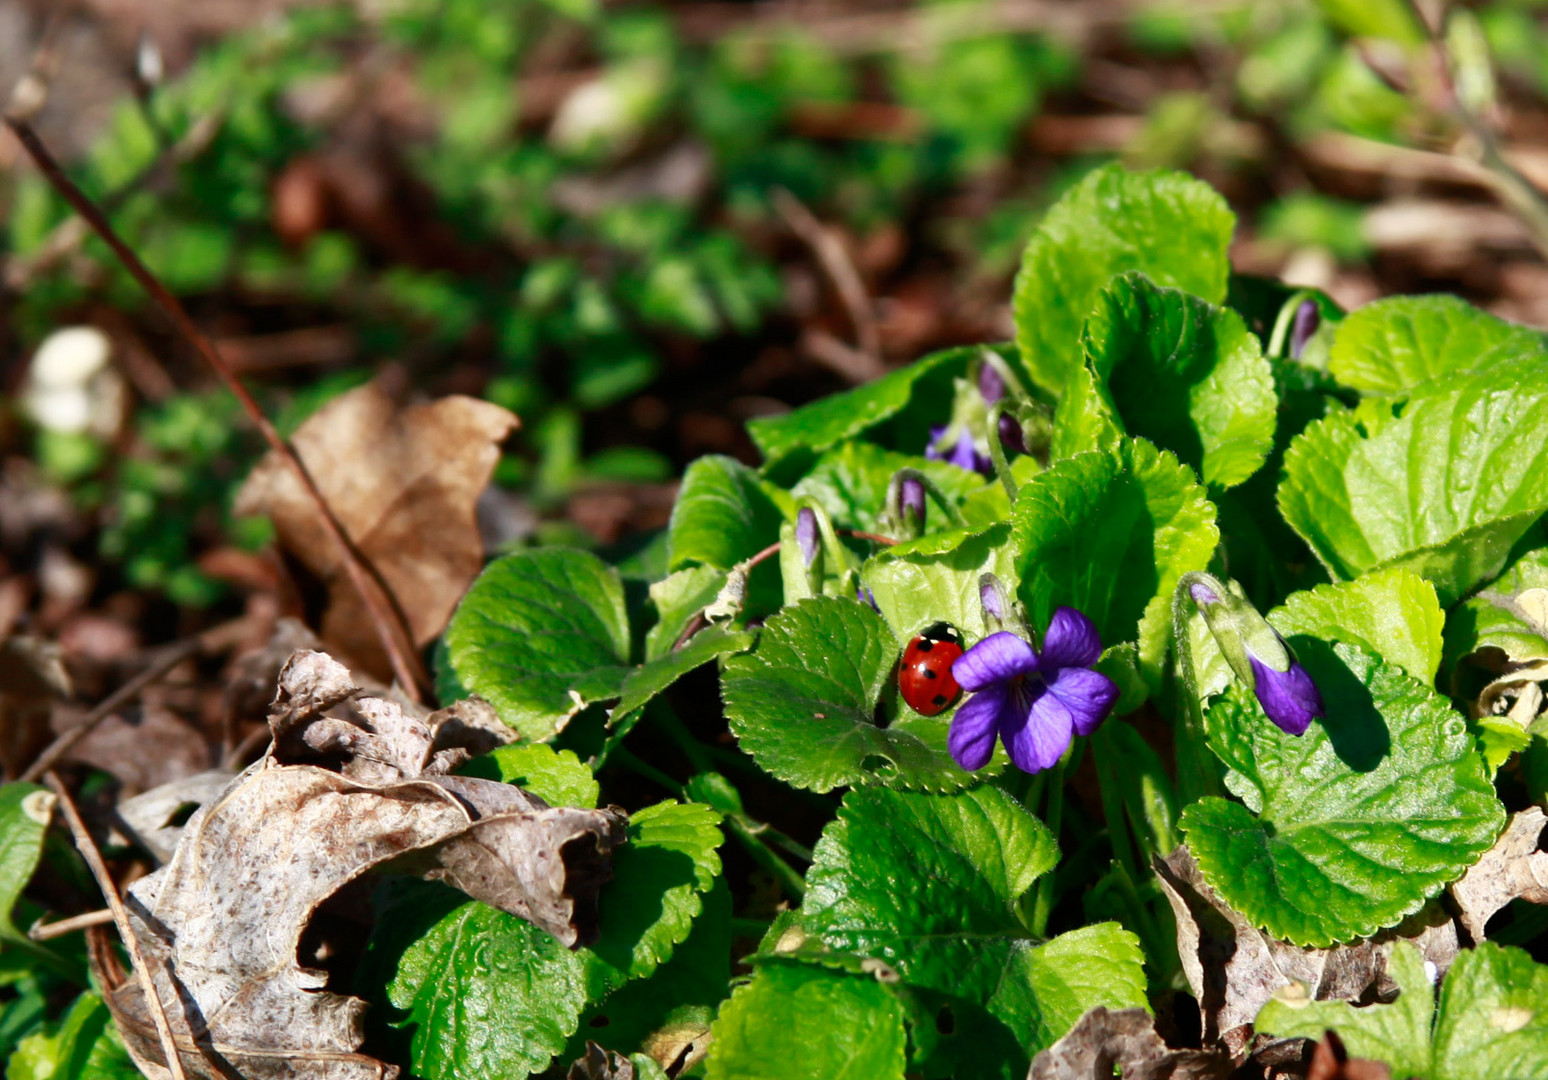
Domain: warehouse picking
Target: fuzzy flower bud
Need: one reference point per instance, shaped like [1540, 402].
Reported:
[806, 535]
[1307, 319]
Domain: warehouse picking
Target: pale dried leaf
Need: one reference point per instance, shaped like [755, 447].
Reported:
[1517, 693]
[155, 820]
[404, 484]
[1233, 968]
[1516, 867]
[1107, 1043]
[221, 923]
[600, 1064]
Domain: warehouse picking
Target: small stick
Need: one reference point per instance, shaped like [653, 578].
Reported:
[387, 617]
[48, 931]
[835, 261]
[120, 915]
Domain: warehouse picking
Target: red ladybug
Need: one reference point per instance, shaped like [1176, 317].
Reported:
[924, 675]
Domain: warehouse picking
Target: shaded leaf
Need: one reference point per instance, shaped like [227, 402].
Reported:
[1392, 614]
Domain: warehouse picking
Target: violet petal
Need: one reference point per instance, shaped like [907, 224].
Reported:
[990, 384]
[973, 729]
[1202, 594]
[932, 449]
[1070, 641]
[806, 534]
[1000, 657]
[1089, 695]
[1290, 698]
[1038, 738]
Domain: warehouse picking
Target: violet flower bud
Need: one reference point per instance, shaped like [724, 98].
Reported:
[911, 500]
[1010, 434]
[990, 384]
[1202, 594]
[1307, 318]
[806, 535]
[1290, 698]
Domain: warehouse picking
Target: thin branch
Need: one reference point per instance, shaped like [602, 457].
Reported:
[836, 263]
[93, 857]
[386, 616]
[48, 931]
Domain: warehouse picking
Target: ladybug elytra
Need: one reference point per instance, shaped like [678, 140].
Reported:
[924, 674]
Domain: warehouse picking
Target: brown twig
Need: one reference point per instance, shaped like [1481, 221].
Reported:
[836, 263]
[48, 931]
[93, 857]
[391, 626]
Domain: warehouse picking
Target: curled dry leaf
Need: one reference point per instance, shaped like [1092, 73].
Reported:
[1516, 693]
[1107, 1043]
[1516, 867]
[155, 819]
[1233, 968]
[1330, 1061]
[600, 1064]
[336, 796]
[404, 484]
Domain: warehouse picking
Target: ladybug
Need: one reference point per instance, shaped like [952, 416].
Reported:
[924, 675]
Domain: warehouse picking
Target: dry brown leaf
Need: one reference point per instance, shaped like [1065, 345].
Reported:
[600, 1064]
[1106, 1041]
[221, 923]
[1233, 968]
[1515, 867]
[403, 483]
[1330, 1061]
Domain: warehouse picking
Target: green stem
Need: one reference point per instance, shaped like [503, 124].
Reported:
[1042, 905]
[753, 928]
[1197, 775]
[997, 453]
[1112, 806]
[634, 763]
[782, 872]
[1283, 322]
[673, 727]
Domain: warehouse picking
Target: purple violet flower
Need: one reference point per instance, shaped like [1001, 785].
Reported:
[911, 497]
[1290, 698]
[963, 454]
[1034, 702]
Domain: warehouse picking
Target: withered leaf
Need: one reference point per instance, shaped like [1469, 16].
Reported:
[1107, 1043]
[600, 1064]
[404, 484]
[32, 678]
[221, 923]
[1233, 968]
[1330, 1061]
[1515, 867]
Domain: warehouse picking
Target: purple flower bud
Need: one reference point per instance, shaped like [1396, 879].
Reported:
[1307, 319]
[990, 384]
[1290, 698]
[1202, 594]
[1010, 435]
[866, 596]
[990, 596]
[806, 534]
[912, 500]
[963, 454]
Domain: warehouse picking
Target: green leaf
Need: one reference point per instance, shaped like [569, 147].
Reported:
[557, 777]
[459, 970]
[1110, 534]
[935, 579]
[1391, 19]
[1491, 1020]
[540, 635]
[678, 597]
[1511, 614]
[25, 810]
[850, 483]
[724, 513]
[1353, 825]
[684, 991]
[1392, 614]
[1443, 484]
[950, 926]
[652, 677]
[1186, 375]
[1392, 346]
[86, 1046]
[1169, 226]
[799, 1022]
[804, 703]
[1085, 418]
[829, 421]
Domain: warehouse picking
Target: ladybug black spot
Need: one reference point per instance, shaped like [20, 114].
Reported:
[928, 673]
[939, 699]
[924, 645]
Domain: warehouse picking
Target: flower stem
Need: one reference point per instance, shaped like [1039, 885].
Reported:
[1042, 905]
[1197, 773]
